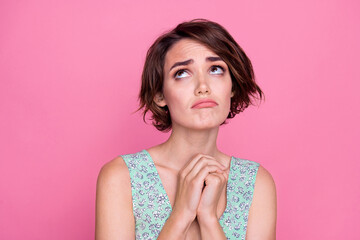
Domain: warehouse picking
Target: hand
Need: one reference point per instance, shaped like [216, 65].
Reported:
[215, 185]
[191, 182]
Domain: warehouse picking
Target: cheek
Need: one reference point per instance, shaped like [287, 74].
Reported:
[227, 94]
[173, 98]
[223, 89]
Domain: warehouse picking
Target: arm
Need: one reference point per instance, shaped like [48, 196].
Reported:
[211, 229]
[262, 213]
[207, 213]
[175, 227]
[114, 217]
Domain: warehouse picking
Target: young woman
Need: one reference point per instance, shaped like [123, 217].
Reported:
[195, 77]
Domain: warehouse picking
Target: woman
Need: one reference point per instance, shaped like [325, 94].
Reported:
[195, 77]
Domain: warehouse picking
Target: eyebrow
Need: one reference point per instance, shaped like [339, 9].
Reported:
[187, 62]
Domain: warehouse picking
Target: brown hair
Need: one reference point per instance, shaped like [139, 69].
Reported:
[216, 38]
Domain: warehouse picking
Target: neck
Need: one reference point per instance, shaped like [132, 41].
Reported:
[185, 144]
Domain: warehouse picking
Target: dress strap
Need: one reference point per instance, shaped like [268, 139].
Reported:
[240, 189]
[150, 207]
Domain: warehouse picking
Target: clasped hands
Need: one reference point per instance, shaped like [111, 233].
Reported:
[201, 183]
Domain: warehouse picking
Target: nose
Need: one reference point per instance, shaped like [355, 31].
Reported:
[202, 86]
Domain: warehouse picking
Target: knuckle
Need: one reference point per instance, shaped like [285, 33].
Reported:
[207, 168]
[199, 155]
[193, 183]
[217, 180]
[182, 174]
[187, 181]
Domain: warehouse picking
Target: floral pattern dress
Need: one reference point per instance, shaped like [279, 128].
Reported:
[151, 205]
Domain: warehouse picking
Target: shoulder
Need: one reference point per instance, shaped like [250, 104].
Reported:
[264, 183]
[114, 201]
[114, 181]
[262, 213]
[112, 173]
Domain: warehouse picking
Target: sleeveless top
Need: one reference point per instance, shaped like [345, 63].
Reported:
[151, 205]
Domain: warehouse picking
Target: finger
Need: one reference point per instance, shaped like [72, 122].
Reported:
[201, 164]
[193, 161]
[216, 178]
[226, 175]
[204, 172]
[218, 175]
[189, 165]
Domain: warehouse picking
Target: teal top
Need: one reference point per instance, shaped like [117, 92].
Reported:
[151, 205]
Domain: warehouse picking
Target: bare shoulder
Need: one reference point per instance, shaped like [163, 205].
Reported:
[264, 183]
[262, 213]
[112, 172]
[114, 217]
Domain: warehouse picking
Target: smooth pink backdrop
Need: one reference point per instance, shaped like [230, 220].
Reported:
[69, 79]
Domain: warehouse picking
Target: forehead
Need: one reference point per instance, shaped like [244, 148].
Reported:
[187, 49]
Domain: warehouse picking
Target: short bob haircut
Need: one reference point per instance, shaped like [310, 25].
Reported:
[217, 39]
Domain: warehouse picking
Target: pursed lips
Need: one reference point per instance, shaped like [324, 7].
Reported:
[204, 103]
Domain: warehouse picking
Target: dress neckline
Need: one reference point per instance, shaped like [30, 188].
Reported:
[165, 193]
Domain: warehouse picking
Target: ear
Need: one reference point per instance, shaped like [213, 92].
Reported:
[232, 93]
[159, 99]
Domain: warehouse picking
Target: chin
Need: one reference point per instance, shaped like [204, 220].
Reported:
[201, 123]
[206, 125]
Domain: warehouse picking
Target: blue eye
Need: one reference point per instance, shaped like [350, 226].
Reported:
[181, 74]
[216, 70]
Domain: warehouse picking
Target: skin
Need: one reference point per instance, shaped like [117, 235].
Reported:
[196, 211]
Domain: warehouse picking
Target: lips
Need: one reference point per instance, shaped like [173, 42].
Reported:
[204, 103]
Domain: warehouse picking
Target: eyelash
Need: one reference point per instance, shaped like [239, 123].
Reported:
[217, 66]
[179, 71]
[184, 70]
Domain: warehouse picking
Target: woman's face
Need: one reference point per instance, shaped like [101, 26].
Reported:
[197, 86]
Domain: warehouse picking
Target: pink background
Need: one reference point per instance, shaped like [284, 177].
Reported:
[69, 79]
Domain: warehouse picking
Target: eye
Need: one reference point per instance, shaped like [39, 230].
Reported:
[216, 70]
[182, 73]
